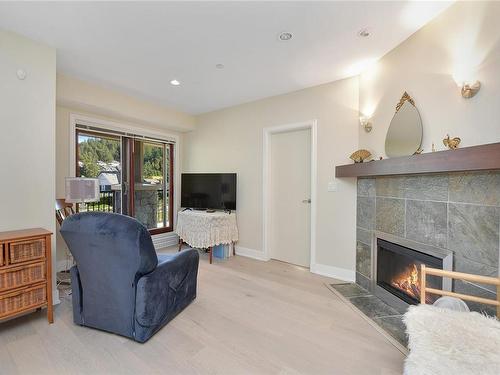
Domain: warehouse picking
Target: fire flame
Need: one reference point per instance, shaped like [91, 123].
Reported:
[409, 282]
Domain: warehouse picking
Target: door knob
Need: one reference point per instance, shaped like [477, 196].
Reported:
[307, 200]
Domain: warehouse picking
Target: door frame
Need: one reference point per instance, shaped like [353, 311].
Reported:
[266, 210]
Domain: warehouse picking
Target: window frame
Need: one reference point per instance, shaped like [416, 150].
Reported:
[131, 187]
[171, 192]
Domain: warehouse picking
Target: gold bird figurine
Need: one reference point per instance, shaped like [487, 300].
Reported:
[451, 143]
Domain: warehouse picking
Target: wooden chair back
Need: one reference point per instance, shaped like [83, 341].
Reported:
[459, 276]
[63, 210]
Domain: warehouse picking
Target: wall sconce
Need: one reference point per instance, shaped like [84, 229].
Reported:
[365, 123]
[468, 90]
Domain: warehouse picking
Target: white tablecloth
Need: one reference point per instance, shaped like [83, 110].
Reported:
[201, 229]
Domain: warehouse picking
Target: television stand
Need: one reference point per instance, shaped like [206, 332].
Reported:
[203, 230]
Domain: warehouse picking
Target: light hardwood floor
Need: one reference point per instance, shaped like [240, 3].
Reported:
[250, 317]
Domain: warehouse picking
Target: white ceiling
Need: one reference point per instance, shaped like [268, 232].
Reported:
[138, 47]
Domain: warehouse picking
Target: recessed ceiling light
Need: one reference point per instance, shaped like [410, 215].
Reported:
[175, 82]
[364, 33]
[219, 66]
[285, 36]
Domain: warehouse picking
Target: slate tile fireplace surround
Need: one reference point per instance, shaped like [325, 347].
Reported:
[454, 214]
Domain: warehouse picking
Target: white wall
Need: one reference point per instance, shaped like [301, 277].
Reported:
[463, 41]
[231, 140]
[27, 142]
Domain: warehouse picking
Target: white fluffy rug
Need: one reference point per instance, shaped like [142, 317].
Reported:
[443, 341]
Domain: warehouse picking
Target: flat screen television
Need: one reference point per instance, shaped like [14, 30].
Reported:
[208, 191]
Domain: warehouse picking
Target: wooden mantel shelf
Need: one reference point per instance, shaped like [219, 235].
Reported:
[475, 158]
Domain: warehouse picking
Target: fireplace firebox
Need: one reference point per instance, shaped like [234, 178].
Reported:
[397, 271]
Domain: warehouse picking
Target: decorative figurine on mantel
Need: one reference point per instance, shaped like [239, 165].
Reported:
[360, 156]
[452, 143]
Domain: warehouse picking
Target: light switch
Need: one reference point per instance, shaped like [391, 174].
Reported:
[332, 186]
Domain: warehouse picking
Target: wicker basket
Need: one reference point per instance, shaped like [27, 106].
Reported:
[25, 251]
[22, 300]
[20, 276]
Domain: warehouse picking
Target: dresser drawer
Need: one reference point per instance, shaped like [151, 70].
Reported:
[24, 299]
[12, 278]
[24, 251]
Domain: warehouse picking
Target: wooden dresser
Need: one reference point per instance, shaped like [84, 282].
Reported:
[25, 272]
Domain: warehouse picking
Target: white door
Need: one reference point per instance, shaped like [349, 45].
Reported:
[290, 193]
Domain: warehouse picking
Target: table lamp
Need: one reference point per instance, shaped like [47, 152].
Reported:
[82, 190]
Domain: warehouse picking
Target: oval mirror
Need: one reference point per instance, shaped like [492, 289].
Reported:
[404, 136]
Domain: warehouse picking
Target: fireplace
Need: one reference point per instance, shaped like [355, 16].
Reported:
[397, 271]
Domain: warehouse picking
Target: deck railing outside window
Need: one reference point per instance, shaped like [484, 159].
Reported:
[110, 202]
[106, 203]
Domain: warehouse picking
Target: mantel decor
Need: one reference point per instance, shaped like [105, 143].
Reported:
[475, 158]
[360, 156]
[404, 136]
[451, 143]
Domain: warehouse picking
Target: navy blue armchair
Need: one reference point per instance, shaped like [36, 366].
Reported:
[119, 283]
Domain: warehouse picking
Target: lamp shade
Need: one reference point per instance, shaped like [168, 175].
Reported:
[82, 190]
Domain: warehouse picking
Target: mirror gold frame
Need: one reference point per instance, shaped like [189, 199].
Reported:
[404, 136]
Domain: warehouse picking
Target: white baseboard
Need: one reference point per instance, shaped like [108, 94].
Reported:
[320, 269]
[55, 297]
[334, 272]
[251, 253]
[62, 265]
[165, 240]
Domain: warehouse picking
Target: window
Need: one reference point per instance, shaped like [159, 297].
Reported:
[113, 160]
[99, 156]
[152, 177]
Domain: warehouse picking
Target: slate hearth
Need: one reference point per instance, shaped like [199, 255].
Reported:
[457, 212]
[385, 316]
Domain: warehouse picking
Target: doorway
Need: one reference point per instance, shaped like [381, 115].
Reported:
[289, 193]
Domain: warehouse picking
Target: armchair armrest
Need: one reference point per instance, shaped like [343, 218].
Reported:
[164, 292]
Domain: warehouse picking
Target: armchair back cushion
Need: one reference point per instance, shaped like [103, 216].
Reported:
[112, 252]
